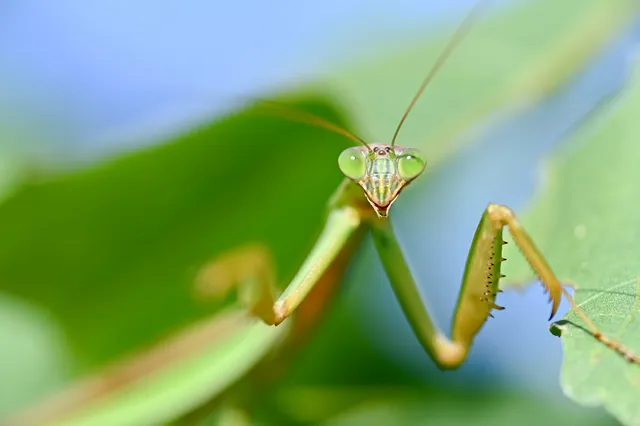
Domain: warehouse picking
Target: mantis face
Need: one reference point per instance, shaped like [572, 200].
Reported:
[382, 171]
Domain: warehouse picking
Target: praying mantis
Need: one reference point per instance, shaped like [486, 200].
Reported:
[375, 175]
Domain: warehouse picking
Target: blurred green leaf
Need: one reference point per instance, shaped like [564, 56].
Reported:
[190, 380]
[111, 252]
[587, 224]
[396, 407]
[29, 338]
[12, 161]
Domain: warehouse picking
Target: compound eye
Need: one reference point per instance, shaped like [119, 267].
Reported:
[352, 163]
[410, 164]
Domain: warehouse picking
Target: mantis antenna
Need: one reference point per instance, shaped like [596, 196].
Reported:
[315, 120]
[457, 37]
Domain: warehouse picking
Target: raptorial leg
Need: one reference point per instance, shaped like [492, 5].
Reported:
[249, 270]
[479, 289]
[502, 216]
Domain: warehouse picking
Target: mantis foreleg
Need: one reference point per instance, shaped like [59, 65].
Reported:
[341, 224]
[479, 286]
[248, 270]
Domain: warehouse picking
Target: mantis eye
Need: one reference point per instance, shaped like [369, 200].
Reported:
[352, 163]
[410, 164]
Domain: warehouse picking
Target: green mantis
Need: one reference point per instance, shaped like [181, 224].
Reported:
[382, 171]
[375, 176]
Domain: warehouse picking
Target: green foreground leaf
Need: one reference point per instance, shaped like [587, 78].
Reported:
[449, 409]
[189, 369]
[111, 253]
[586, 222]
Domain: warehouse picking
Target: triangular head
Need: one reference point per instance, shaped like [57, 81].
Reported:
[382, 170]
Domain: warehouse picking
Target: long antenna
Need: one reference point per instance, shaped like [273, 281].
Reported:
[457, 37]
[314, 120]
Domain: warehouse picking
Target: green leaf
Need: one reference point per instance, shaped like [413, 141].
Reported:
[587, 224]
[187, 383]
[111, 253]
[450, 408]
[187, 371]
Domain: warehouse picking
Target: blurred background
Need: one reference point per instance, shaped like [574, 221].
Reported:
[110, 198]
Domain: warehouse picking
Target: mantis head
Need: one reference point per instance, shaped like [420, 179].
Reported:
[382, 171]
